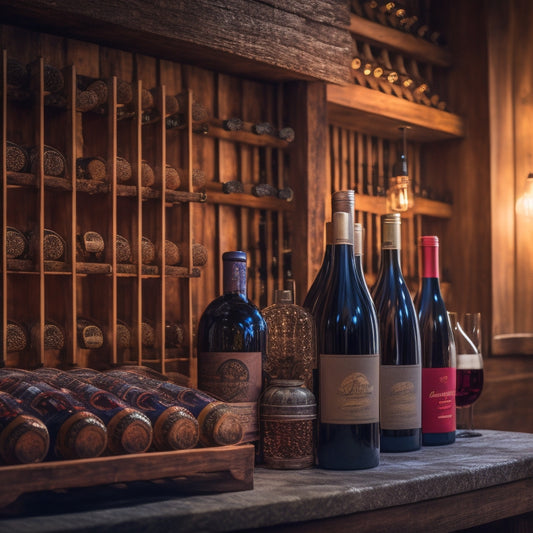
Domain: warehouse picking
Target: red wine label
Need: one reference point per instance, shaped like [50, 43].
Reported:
[349, 388]
[438, 400]
[235, 378]
[400, 405]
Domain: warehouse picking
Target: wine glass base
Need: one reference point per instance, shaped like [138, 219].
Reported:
[466, 434]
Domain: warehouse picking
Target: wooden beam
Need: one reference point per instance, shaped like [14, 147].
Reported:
[244, 37]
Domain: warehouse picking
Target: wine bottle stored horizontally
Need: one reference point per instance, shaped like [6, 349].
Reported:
[74, 432]
[400, 371]
[23, 437]
[438, 351]
[174, 427]
[348, 345]
[232, 346]
[128, 430]
[217, 421]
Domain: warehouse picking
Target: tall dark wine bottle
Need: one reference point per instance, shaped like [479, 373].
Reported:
[317, 287]
[438, 351]
[348, 340]
[400, 372]
[232, 346]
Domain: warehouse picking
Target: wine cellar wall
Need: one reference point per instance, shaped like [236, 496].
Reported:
[124, 178]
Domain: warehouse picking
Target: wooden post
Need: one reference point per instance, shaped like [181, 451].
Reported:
[306, 105]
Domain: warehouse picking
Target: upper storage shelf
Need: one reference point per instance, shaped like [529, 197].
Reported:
[398, 41]
[381, 114]
[377, 113]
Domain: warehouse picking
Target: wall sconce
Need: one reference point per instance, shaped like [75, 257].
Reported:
[524, 204]
[400, 195]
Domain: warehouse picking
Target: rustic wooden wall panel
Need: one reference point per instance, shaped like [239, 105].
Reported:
[134, 297]
[523, 113]
[235, 36]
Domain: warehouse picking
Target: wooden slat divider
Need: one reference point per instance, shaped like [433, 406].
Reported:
[283, 235]
[37, 81]
[161, 156]
[3, 204]
[111, 200]
[269, 230]
[188, 154]
[137, 230]
[72, 127]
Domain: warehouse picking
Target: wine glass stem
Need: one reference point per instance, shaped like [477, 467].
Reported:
[469, 417]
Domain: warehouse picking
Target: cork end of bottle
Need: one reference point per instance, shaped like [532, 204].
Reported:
[82, 436]
[228, 431]
[221, 427]
[176, 429]
[24, 441]
[129, 431]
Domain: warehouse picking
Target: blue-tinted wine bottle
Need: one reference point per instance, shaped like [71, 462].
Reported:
[401, 372]
[317, 287]
[232, 346]
[438, 351]
[348, 340]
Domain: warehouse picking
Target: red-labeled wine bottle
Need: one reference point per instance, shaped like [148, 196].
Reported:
[438, 351]
[400, 372]
[348, 345]
[232, 346]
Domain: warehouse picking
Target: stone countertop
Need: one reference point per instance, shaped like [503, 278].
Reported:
[282, 496]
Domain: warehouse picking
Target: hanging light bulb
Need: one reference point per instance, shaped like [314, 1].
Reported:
[400, 196]
[524, 204]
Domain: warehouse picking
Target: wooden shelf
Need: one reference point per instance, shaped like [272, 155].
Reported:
[20, 179]
[513, 344]
[245, 137]
[376, 113]
[218, 469]
[245, 199]
[377, 205]
[398, 41]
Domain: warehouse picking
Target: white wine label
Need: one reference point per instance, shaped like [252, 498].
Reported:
[400, 397]
[349, 388]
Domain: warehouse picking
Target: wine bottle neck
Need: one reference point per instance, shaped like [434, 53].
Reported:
[390, 258]
[430, 262]
[234, 275]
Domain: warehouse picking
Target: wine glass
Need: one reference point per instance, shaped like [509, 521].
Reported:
[467, 335]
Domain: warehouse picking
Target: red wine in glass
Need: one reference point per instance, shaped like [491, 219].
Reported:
[469, 386]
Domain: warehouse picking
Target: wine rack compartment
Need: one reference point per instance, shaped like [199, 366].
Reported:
[98, 249]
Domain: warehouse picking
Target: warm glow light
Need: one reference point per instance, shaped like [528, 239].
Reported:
[400, 195]
[524, 204]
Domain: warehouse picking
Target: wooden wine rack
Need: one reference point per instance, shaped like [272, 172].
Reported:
[35, 290]
[364, 133]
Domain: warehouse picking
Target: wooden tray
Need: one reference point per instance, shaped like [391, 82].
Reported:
[217, 469]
